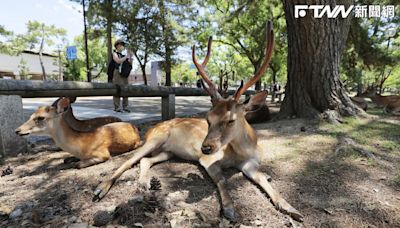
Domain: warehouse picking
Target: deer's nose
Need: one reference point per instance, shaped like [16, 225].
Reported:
[206, 149]
[17, 131]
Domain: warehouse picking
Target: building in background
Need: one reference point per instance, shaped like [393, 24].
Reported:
[136, 78]
[27, 66]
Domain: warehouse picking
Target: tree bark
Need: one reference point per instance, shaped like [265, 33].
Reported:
[109, 29]
[41, 55]
[256, 66]
[315, 46]
[143, 67]
[167, 44]
[88, 71]
[168, 65]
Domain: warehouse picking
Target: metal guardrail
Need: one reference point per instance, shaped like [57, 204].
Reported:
[34, 89]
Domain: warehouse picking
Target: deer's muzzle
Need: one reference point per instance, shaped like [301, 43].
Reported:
[206, 149]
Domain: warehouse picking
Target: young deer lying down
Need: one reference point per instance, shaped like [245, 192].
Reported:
[256, 108]
[223, 139]
[84, 125]
[90, 147]
[393, 108]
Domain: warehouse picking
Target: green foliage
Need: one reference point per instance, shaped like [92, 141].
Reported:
[372, 55]
[23, 69]
[140, 31]
[375, 135]
[6, 36]
[225, 58]
[76, 69]
[39, 32]
[181, 72]
[243, 27]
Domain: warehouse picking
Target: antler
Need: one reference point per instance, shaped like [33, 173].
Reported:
[264, 66]
[212, 91]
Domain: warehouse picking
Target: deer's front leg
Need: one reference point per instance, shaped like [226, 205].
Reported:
[91, 161]
[250, 169]
[214, 170]
[147, 163]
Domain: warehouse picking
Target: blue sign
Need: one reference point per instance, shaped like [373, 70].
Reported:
[71, 52]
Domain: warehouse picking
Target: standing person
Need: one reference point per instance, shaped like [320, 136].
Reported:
[198, 84]
[118, 58]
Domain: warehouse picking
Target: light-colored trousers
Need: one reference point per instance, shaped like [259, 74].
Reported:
[119, 80]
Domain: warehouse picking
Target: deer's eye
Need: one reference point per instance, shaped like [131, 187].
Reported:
[231, 121]
[40, 118]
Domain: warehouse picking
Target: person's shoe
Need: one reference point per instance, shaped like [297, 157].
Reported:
[118, 110]
[126, 110]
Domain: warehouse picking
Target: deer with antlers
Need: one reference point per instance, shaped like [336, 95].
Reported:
[255, 106]
[223, 139]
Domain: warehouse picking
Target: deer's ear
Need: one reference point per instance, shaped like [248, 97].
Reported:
[72, 99]
[63, 105]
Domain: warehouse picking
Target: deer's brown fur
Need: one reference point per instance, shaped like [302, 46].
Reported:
[379, 100]
[224, 139]
[84, 125]
[91, 147]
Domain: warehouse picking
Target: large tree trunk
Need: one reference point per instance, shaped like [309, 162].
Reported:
[314, 53]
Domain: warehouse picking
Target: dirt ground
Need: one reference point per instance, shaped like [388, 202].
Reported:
[331, 183]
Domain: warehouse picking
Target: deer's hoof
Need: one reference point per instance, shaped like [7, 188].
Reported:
[101, 190]
[286, 208]
[71, 160]
[229, 213]
[295, 214]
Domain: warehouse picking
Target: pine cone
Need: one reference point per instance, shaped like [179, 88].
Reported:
[155, 184]
[7, 171]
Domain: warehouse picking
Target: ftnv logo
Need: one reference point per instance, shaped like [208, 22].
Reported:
[322, 10]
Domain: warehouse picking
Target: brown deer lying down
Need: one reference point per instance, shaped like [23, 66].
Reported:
[90, 147]
[393, 108]
[84, 125]
[223, 139]
[360, 102]
[380, 101]
[256, 108]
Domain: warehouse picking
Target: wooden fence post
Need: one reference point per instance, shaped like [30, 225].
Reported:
[168, 107]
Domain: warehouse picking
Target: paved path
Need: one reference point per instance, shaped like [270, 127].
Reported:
[143, 108]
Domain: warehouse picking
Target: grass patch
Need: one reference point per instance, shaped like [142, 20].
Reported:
[396, 179]
[374, 135]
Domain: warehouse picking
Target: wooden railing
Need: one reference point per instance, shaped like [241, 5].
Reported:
[36, 89]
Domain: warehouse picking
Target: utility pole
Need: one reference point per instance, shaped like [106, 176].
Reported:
[89, 74]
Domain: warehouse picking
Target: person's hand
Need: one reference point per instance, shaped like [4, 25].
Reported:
[130, 53]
